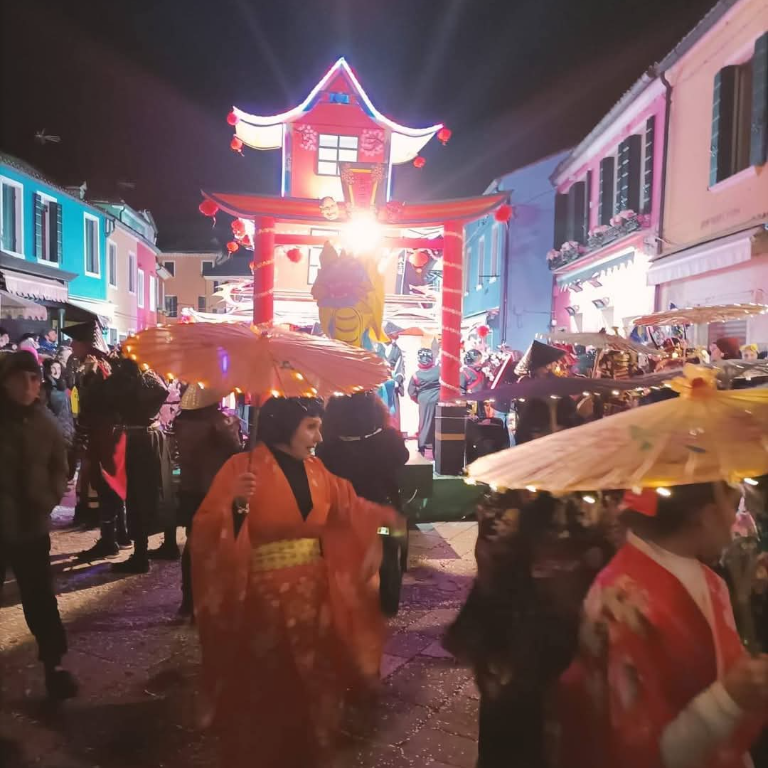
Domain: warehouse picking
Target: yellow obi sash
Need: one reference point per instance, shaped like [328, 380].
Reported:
[287, 553]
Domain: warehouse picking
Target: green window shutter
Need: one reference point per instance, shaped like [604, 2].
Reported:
[588, 204]
[628, 175]
[758, 150]
[39, 209]
[577, 229]
[605, 202]
[650, 141]
[55, 245]
[723, 104]
[561, 220]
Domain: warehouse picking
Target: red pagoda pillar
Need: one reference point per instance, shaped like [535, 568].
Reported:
[264, 272]
[450, 427]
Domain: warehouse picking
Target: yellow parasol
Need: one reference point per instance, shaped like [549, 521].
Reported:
[602, 340]
[262, 361]
[702, 436]
[720, 313]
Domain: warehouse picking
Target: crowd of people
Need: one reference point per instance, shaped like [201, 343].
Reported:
[597, 630]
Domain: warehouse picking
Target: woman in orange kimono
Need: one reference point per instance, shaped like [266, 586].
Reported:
[285, 559]
[661, 679]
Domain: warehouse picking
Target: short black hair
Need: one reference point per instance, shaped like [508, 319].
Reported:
[25, 336]
[356, 415]
[4, 331]
[674, 512]
[279, 418]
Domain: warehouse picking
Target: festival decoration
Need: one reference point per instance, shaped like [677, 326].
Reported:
[247, 242]
[236, 145]
[208, 208]
[372, 142]
[232, 246]
[294, 255]
[444, 135]
[232, 118]
[419, 161]
[349, 293]
[419, 259]
[482, 331]
[238, 228]
[720, 313]
[393, 211]
[329, 208]
[503, 213]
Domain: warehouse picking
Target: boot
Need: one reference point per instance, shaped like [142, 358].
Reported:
[60, 683]
[168, 550]
[136, 563]
[100, 550]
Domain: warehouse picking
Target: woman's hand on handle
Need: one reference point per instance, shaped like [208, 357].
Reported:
[245, 486]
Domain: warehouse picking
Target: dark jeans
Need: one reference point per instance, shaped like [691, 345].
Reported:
[188, 505]
[511, 730]
[143, 475]
[111, 513]
[31, 564]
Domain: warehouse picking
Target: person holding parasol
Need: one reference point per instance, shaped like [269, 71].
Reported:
[661, 678]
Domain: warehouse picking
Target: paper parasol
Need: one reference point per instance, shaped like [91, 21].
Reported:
[602, 341]
[702, 436]
[269, 361]
[720, 313]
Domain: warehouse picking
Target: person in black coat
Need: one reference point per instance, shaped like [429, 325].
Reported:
[424, 389]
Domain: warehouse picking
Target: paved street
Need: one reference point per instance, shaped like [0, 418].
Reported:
[138, 670]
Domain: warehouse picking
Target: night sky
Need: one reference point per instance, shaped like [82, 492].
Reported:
[139, 91]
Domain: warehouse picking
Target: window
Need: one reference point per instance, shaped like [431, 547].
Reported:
[480, 263]
[335, 149]
[650, 139]
[132, 273]
[152, 293]
[12, 217]
[47, 229]
[203, 266]
[140, 284]
[171, 306]
[92, 266]
[171, 267]
[605, 199]
[201, 303]
[740, 116]
[112, 336]
[314, 254]
[112, 264]
[497, 253]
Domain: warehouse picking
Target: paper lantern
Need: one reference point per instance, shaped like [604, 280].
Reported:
[236, 145]
[444, 135]
[238, 228]
[246, 242]
[483, 331]
[419, 259]
[232, 246]
[503, 213]
[208, 208]
[233, 119]
[419, 162]
[294, 255]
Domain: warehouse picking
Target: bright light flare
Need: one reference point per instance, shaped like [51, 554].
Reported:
[362, 234]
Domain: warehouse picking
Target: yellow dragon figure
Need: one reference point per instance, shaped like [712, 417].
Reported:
[349, 293]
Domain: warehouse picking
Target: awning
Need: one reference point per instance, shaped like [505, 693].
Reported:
[14, 307]
[33, 287]
[707, 257]
[594, 270]
[104, 311]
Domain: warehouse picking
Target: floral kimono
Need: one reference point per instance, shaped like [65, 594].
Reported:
[287, 610]
[657, 635]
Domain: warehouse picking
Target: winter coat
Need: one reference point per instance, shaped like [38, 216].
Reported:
[33, 470]
[57, 400]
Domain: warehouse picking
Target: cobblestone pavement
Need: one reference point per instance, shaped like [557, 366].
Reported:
[138, 669]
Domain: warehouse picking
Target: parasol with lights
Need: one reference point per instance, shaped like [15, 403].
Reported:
[262, 361]
[601, 340]
[720, 313]
[702, 436]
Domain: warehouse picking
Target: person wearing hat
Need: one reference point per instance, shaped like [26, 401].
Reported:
[472, 376]
[424, 389]
[33, 479]
[750, 353]
[538, 417]
[205, 438]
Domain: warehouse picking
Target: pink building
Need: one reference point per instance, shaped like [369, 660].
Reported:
[607, 215]
[716, 196]
[147, 286]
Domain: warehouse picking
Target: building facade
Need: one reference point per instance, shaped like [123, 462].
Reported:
[608, 215]
[716, 197]
[122, 249]
[53, 246]
[185, 287]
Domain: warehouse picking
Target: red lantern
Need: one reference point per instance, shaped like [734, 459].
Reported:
[294, 255]
[208, 208]
[232, 246]
[503, 213]
[419, 259]
[419, 161]
[236, 145]
[246, 242]
[483, 331]
[444, 135]
[232, 118]
[238, 228]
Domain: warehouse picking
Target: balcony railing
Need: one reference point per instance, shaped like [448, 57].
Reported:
[623, 224]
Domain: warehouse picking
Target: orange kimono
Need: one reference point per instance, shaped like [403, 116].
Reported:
[287, 610]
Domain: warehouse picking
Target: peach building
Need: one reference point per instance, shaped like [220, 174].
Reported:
[715, 243]
[185, 287]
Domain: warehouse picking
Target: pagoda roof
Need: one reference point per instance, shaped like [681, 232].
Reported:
[268, 132]
[308, 209]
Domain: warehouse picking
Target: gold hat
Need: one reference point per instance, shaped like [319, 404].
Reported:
[196, 397]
